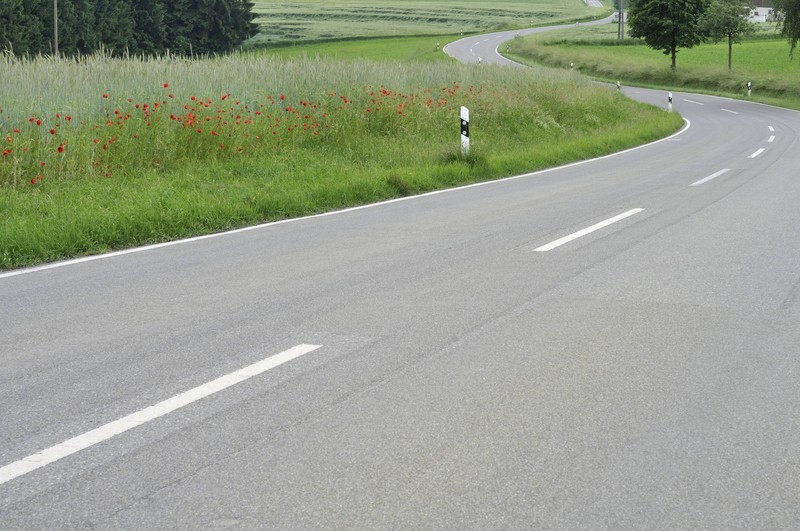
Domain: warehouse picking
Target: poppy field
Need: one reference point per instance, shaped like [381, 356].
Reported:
[103, 153]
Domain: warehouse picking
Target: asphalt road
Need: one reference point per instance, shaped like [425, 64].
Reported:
[484, 361]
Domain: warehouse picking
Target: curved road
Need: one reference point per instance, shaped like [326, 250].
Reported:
[612, 344]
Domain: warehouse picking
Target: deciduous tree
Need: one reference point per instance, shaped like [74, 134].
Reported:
[667, 25]
[727, 19]
[790, 27]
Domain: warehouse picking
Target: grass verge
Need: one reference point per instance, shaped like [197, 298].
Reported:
[241, 140]
[764, 61]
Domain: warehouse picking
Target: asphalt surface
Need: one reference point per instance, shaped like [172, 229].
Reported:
[643, 375]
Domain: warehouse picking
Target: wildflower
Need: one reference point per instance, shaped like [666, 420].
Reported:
[166, 85]
[105, 95]
[61, 148]
[52, 131]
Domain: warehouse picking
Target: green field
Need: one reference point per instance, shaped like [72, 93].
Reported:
[304, 20]
[418, 49]
[763, 61]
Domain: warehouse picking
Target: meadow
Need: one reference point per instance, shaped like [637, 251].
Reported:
[762, 59]
[403, 49]
[102, 153]
[315, 20]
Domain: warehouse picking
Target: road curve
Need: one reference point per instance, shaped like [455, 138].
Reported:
[611, 344]
[483, 49]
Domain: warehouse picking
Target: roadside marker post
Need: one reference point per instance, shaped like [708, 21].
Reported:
[464, 131]
[749, 89]
[669, 101]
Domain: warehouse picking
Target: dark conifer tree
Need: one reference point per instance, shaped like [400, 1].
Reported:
[150, 30]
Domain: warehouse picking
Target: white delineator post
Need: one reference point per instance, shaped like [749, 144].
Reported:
[669, 101]
[464, 131]
[749, 89]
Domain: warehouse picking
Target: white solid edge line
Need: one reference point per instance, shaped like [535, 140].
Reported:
[713, 176]
[588, 230]
[107, 431]
[57, 265]
[757, 153]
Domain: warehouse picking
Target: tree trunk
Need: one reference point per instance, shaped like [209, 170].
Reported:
[674, 54]
[730, 51]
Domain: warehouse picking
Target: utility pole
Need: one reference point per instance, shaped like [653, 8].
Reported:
[621, 29]
[55, 26]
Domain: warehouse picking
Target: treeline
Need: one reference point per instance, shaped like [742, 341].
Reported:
[148, 27]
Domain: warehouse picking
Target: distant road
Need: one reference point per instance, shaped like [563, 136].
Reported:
[484, 48]
[609, 345]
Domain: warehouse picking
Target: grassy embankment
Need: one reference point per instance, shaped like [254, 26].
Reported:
[763, 60]
[245, 139]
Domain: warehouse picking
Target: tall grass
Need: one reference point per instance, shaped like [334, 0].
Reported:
[292, 137]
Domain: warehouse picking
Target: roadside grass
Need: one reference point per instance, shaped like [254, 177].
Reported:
[763, 60]
[238, 140]
[315, 20]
